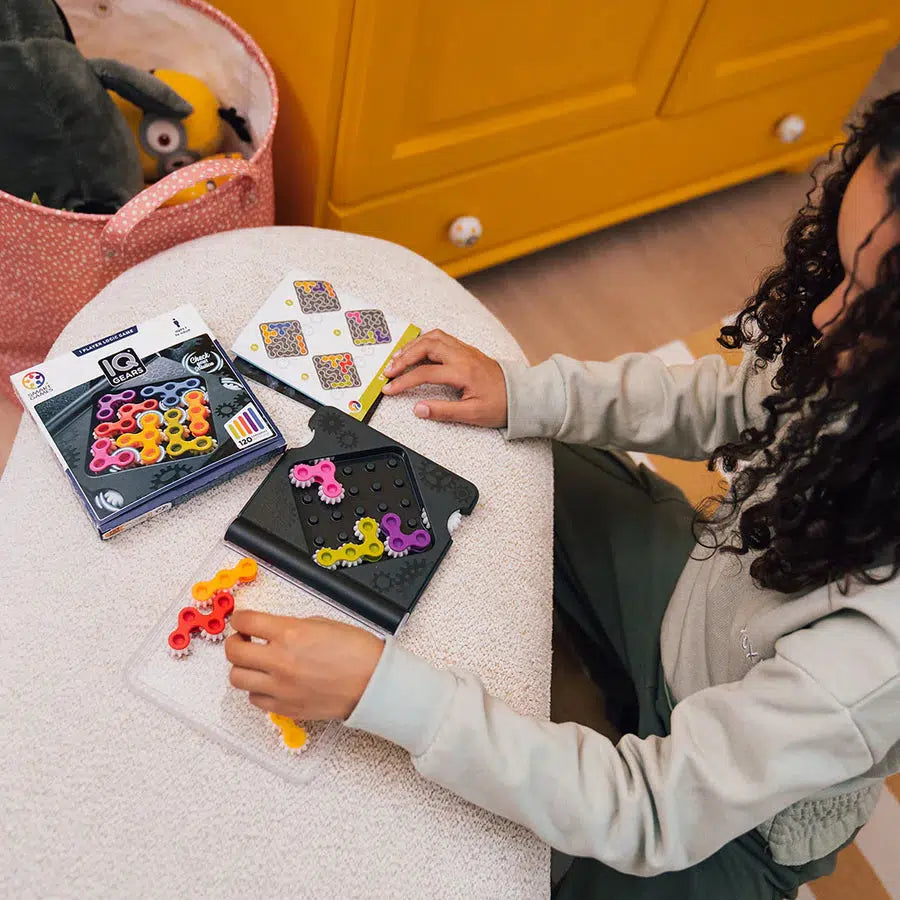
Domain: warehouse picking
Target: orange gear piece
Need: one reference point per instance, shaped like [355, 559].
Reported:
[197, 413]
[224, 580]
[148, 440]
[293, 735]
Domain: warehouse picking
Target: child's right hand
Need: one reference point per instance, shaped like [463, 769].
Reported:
[446, 360]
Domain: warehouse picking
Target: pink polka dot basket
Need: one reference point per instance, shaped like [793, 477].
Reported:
[52, 262]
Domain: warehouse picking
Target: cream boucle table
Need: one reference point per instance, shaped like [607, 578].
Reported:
[105, 794]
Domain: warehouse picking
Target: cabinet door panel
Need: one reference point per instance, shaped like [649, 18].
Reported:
[738, 48]
[434, 88]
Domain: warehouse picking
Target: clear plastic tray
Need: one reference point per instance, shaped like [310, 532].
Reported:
[196, 688]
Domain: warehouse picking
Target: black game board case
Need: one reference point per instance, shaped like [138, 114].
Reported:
[283, 525]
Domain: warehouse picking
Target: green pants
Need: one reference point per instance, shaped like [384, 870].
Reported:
[622, 537]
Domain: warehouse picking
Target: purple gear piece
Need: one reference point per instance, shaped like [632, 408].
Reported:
[399, 542]
[109, 403]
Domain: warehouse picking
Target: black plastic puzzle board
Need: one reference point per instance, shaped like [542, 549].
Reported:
[387, 495]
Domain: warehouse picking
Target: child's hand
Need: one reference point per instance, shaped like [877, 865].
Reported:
[450, 361]
[309, 669]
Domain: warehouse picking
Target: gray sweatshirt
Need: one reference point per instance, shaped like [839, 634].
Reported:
[787, 708]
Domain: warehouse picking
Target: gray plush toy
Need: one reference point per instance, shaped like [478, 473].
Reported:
[61, 136]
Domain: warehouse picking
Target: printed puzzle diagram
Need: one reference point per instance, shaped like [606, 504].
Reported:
[368, 326]
[316, 297]
[283, 338]
[337, 370]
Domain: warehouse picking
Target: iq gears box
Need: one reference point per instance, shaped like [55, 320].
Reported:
[146, 417]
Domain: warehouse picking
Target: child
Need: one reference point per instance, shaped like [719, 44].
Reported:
[765, 664]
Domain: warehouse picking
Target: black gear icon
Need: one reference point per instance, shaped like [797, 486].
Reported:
[71, 453]
[382, 582]
[232, 407]
[330, 422]
[437, 478]
[170, 475]
[412, 570]
[347, 440]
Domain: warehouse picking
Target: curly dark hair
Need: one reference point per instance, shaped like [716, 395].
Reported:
[818, 500]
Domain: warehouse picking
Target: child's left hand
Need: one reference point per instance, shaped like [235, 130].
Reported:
[310, 668]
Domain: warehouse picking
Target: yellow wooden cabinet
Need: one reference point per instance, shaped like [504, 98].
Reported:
[545, 119]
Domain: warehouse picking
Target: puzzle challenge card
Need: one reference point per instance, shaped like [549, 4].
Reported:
[324, 342]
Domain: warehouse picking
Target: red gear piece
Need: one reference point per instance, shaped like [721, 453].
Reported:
[191, 621]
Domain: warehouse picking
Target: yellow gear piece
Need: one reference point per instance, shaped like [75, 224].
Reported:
[224, 580]
[148, 440]
[292, 734]
[179, 446]
[370, 548]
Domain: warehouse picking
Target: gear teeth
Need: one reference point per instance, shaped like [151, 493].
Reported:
[205, 608]
[350, 565]
[425, 521]
[180, 654]
[330, 501]
[393, 553]
[300, 484]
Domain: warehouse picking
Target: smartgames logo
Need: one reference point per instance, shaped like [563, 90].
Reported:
[248, 427]
[31, 381]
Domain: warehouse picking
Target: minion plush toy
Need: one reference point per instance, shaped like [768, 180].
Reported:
[167, 143]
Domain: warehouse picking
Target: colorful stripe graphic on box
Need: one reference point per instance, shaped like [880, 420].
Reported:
[248, 426]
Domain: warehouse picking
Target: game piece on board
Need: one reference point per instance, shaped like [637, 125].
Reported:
[130, 410]
[109, 403]
[293, 735]
[169, 394]
[398, 542]
[331, 491]
[179, 446]
[210, 626]
[197, 413]
[104, 457]
[224, 580]
[370, 548]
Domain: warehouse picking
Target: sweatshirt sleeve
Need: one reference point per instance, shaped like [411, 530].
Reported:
[737, 754]
[636, 402]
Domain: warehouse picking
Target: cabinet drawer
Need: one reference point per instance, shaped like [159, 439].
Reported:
[738, 48]
[555, 194]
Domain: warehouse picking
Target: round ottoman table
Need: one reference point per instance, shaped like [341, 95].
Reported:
[104, 794]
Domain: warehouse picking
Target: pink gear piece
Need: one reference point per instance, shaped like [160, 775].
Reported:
[103, 459]
[331, 491]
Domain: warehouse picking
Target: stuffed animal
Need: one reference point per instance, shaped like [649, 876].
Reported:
[61, 136]
[167, 143]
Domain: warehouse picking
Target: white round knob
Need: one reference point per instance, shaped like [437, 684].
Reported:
[790, 128]
[465, 231]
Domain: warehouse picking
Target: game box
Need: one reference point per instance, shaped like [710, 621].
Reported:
[144, 418]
